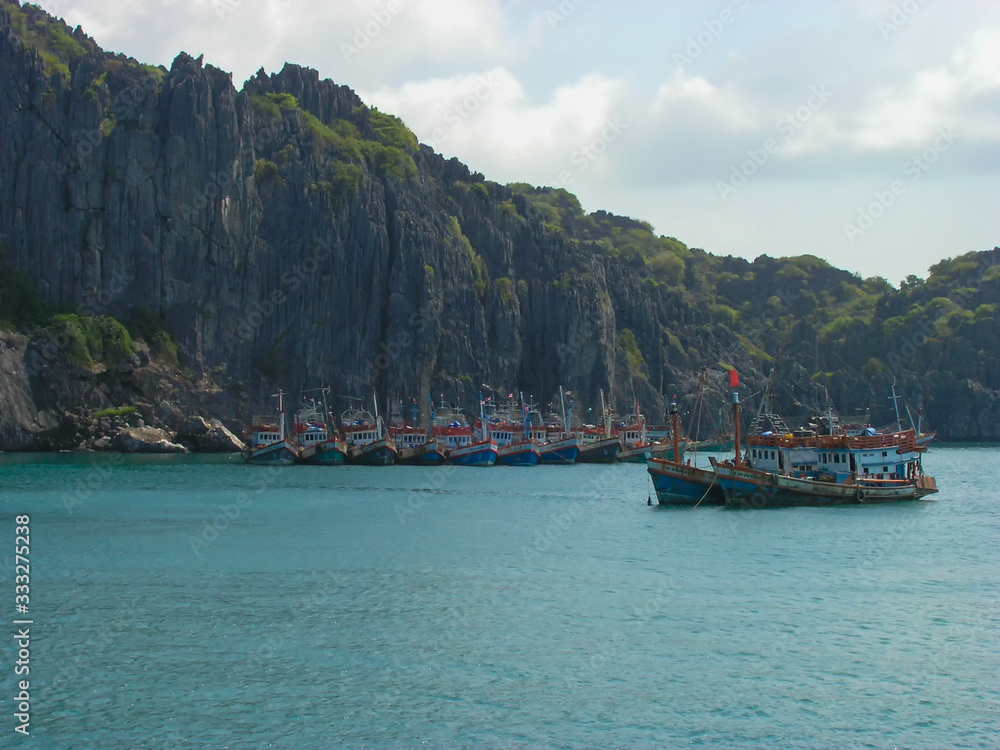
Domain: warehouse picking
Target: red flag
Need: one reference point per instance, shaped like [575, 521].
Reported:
[734, 379]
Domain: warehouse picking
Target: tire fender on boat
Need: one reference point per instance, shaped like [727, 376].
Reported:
[860, 495]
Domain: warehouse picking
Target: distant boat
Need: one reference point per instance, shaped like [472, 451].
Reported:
[367, 441]
[597, 444]
[455, 435]
[635, 442]
[720, 444]
[514, 444]
[268, 442]
[665, 450]
[559, 444]
[316, 437]
[415, 445]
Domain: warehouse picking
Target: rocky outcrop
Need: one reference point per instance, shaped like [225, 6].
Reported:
[19, 419]
[208, 437]
[145, 440]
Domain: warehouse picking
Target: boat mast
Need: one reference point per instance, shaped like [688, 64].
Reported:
[641, 423]
[378, 419]
[482, 417]
[562, 400]
[281, 415]
[895, 404]
[675, 430]
[734, 381]
[330, 429]
[524, 417]
[605, 417]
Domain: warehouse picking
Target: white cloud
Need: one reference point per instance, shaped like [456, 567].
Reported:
[696, 100]
[488, 121]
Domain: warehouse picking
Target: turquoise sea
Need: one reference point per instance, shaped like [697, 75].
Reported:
[184, 602]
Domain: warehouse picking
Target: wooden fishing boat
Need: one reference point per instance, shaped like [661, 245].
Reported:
[679, 483]
[514, 444]
[635, 442]
[455, 435]
[267, 441]
[368, 444]
[415, 446]
[783, 468]
[558, 444]
[316, 437]
[746, 487]
[597, 443]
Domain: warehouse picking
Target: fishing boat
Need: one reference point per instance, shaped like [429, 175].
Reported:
[559, 445]
[781, 469]
[718, 444]
[415, 445]
[455, 435]
[367, 441]
[597, 444]
[666, 449]
[316, 437]
[514, 444]
[677, 482]
[635, 442]
[746, 487]
[267, 442]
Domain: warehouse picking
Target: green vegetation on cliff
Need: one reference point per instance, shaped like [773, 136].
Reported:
[92, 339]
[388, 154]
[330, 246]
[58, 46]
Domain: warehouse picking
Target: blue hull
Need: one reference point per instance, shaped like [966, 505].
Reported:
[485, 457]
[677, 491]
[278, 454]
[561, 456]
[520, 458]
[679, 484]
[430, 458]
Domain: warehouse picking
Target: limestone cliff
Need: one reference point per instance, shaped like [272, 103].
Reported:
[291, 237]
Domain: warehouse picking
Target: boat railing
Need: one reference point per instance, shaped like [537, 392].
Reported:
[905, 441]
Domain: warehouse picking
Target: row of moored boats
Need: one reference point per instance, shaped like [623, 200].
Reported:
[511, 435]
[825, 465]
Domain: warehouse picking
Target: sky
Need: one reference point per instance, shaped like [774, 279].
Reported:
[866, 132]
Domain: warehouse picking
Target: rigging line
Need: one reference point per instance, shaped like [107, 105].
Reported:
[714, 477]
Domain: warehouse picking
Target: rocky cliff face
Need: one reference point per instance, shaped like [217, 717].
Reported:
[271, 254]
[291, 237]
